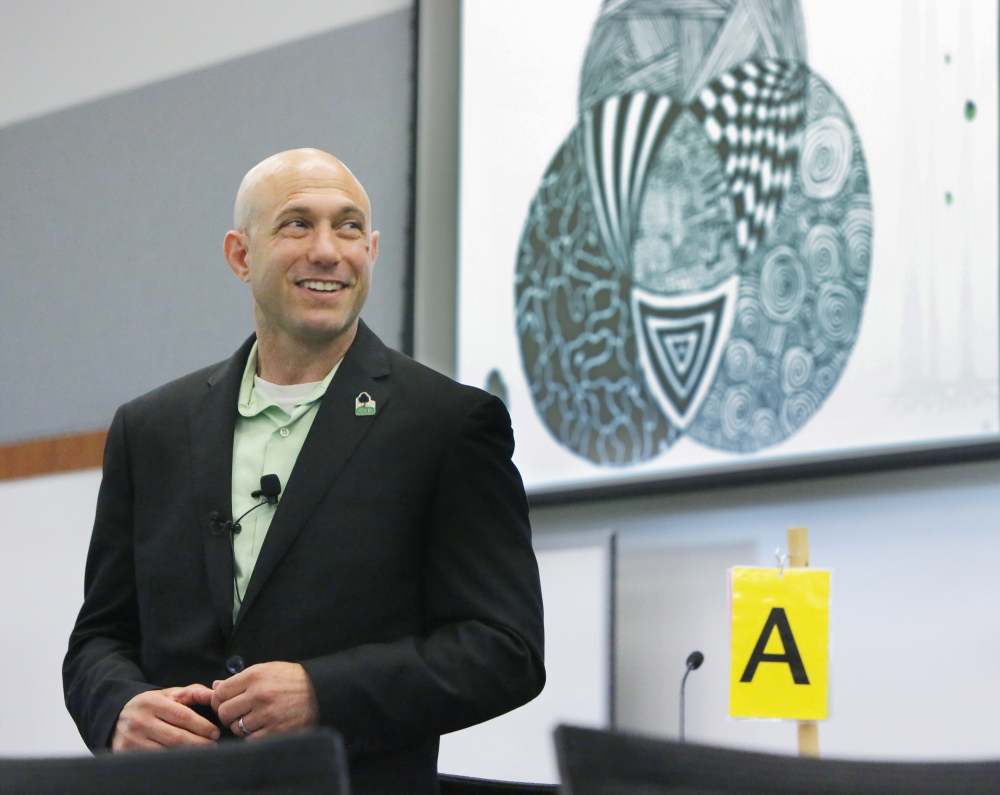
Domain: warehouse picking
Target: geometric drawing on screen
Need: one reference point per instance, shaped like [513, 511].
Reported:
[696, 258]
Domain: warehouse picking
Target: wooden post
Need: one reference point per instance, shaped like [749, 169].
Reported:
[798, 556]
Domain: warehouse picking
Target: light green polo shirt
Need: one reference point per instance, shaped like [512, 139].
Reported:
[267, 441]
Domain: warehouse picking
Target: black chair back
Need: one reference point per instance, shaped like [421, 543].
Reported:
[594, 762]
[295, 764]
[466, 785]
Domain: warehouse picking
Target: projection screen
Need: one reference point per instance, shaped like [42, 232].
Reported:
[704, 236]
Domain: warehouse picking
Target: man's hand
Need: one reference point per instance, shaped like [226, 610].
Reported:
[270, 697]
[162, 719]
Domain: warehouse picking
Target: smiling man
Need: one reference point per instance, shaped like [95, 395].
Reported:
[317, 532]
[297, 213]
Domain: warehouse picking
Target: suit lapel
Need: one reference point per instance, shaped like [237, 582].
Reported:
[213, 421]
[334, 435]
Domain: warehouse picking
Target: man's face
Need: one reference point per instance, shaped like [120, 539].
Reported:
[310, 251]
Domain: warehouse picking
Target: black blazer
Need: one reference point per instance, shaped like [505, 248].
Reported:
[398, 568]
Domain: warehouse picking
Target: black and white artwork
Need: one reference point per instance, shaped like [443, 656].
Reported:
[694, 263]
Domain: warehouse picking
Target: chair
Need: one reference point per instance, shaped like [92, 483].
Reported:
[606, 763]
[466, 785]
[294, 764]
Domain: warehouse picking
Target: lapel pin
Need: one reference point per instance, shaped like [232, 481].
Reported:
[364, 406]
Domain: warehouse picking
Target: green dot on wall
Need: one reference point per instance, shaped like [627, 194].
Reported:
[947, 57]
[970, 110]
[947, 198]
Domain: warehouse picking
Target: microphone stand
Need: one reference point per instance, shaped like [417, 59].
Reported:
[694, 661]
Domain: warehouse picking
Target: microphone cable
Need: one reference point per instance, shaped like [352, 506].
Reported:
[270, 488]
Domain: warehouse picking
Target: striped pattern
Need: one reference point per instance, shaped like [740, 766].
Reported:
[752, 114]
[621, 133]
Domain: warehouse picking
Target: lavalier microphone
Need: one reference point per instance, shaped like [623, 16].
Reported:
[270, 488]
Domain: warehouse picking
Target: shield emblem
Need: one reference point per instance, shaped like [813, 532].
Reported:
[364, 405]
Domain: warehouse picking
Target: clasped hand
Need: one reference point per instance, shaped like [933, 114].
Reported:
[270, 698]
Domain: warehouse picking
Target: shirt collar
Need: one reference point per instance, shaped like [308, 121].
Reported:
[252, 402]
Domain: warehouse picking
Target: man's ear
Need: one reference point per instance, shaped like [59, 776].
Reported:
[235, 249]
[374, 247]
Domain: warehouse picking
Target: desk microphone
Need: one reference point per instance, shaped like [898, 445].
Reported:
[694, 661]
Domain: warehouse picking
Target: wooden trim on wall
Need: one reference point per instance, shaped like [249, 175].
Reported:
[48, 456]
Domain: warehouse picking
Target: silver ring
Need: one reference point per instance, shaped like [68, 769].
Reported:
[243, 728]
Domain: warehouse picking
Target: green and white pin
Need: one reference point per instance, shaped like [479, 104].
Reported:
[364, 405]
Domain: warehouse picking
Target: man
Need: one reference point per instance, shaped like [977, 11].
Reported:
[391, 593]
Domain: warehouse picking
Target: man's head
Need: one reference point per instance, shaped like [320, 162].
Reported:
[303, 242]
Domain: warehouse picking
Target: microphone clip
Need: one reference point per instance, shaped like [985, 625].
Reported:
[269, 499]
[219, 526]
[270, 488]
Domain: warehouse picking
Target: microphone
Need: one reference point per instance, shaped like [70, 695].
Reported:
[694, 661]
[270, 488]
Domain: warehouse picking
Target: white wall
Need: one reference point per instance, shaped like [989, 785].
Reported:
[915, 623]
[577, 592]
[43, 545]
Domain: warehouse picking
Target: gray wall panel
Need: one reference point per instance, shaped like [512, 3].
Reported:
[112, 216]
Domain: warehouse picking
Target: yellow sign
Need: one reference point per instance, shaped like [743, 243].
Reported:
[779, 665]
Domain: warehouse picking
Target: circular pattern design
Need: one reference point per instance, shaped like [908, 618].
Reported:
[826, 157]
[739, 360]
[798, 304]
[766, 427]
[782, 284]
[857, 229]
[823, 251]
[797, 410]
[821, 102]
[738, 411]
[825, 378]
[750, 321]
[837, 313]
[797, 366]
[573, 321]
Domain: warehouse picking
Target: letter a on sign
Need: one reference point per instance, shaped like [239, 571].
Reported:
[779, 666]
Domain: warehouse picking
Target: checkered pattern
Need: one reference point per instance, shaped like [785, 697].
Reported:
[752, 114]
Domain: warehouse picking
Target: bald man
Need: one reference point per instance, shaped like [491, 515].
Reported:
[388, 589]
